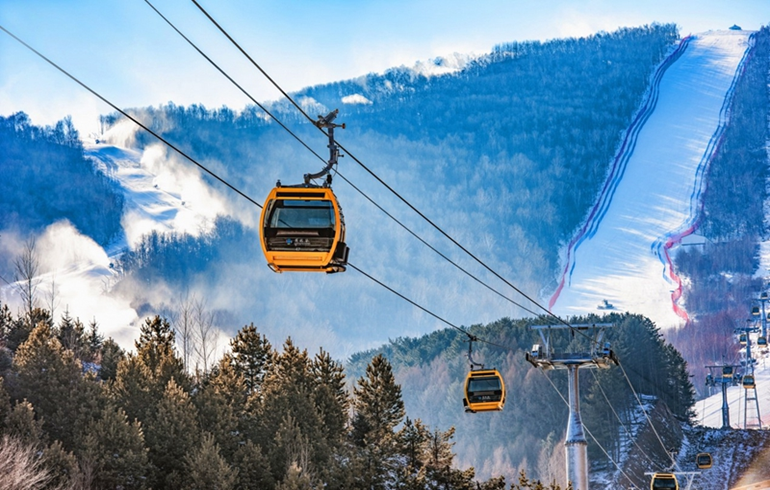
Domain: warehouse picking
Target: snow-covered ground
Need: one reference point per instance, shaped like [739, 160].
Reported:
[651, 197]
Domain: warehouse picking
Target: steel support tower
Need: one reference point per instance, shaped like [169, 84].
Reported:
[763, 298]
[724, 380]
[749, 370]
[597, 354]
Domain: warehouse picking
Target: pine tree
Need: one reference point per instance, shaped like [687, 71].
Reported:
[438, 463]
[287, 402]
[221, 403]
[6, 324]
[378, 409]
[253, 468]
[172, 433]
[115, 451]
[142, 379]
[20, 329]
[135, 389]
[94, 341]
[50, 378]
[110, 356]
[295, 479]
[207, 469]
[71, 333]
[377, 402]
[156, 349]
[413, 439]
[62, 464]
[5, 403]
[251, 355]
[292, 447]
[331, 402]
[22, 425]
[331, 397]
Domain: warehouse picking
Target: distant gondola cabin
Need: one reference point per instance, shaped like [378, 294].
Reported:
[727, 371]
[743, 339]
[748, 382]
[762, 341]
[664, 481]
[703, 461]
[302, 229]
[484, 391]
[755, 310]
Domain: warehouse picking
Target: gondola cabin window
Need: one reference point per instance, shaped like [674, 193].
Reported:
[485, 389]
[302, 214]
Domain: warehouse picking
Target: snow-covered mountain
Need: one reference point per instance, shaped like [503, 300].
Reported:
[621, 252]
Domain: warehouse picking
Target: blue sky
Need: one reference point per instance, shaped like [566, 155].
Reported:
[126, 52]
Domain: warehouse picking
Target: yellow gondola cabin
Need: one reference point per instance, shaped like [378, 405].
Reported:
[303, 229]
[664, 481]
[703, 461]
[484, 391]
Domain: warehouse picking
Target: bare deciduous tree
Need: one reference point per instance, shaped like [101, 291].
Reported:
[21, 467]
[182, 321]
[27, 268]
[51, 296]
[205, 333]
[196, 334]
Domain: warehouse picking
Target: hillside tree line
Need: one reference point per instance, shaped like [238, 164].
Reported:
[78, 412]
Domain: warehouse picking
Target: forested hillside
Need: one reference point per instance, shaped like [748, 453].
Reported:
[77, 412]
[44, 177]
[529, 432]
[721, 273]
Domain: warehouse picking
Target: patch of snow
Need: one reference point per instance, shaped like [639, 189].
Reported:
[356, 99]
[443, 65]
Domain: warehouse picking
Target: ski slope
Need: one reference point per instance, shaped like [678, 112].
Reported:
[650, 200]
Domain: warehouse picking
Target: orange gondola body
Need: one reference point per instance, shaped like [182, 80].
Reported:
[703, 461]
[302, 229]
[664, 481]
[484, 391]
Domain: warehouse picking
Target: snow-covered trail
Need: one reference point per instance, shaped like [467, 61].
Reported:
[652, 194]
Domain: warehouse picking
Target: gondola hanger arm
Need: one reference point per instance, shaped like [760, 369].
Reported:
[327, 122]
